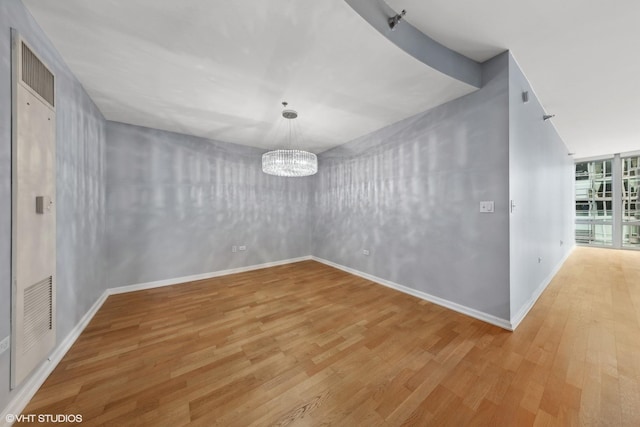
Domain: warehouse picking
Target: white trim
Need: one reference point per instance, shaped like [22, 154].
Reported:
[35, 381]
[40, 374]
[607, 156]
[593, 158]
[193, 278]
[633, 153]
[488, 318]
[515, 321]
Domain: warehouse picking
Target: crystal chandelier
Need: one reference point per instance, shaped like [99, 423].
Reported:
[289, 162]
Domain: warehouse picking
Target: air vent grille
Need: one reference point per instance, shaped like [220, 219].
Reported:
[36, 75]
[38, 313]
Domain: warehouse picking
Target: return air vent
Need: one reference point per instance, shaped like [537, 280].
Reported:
[38, 313]
[36, 75]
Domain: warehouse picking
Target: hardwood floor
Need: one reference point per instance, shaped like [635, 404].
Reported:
[305, 344]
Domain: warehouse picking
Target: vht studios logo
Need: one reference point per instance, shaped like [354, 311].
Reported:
[43, 418]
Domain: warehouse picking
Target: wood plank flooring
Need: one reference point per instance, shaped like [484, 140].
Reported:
[305, 344]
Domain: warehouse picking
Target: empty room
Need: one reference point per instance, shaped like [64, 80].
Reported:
[313, 213]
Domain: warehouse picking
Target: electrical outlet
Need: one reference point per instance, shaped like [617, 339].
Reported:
[539, 259]
[561, 243]
[365, 252]
[242, 248]
[234, 249]
[4, 344]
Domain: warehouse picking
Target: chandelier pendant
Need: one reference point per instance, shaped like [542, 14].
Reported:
[289, 162]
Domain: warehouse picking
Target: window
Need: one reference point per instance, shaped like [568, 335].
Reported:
[630, 202]
[594, 203]
[607, 202]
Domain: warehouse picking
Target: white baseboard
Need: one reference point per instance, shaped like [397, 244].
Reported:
[35, 381]
[193, 278]
[515, 320]
[39, 376]
[488, 318]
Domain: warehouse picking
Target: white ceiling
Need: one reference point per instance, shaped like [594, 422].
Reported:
[582, 58]
[219, 69]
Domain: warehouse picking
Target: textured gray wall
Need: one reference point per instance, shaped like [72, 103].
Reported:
[176, 204]
[410, 193]
[80, 186]
[541, 186]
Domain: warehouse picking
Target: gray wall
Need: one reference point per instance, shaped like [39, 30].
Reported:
[80, 186]
[541, 186]
[176, 204]
[410, 193]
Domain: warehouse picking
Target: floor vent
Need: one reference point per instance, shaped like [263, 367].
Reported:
[36, 75]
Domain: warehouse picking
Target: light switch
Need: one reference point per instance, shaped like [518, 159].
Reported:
[43, 204]
[486, 206]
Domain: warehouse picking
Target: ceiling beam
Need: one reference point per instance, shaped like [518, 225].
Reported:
[418, 44]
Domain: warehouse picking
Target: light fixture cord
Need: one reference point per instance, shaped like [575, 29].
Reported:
[296, 134]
